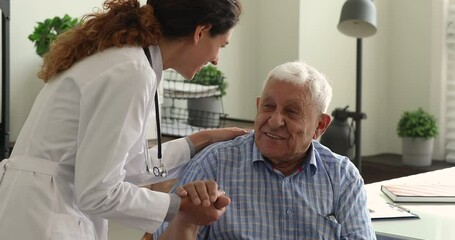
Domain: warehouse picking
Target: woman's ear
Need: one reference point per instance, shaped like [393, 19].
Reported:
[200, 32]
[323, 124]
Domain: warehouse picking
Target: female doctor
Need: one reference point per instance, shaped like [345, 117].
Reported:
[82, 153]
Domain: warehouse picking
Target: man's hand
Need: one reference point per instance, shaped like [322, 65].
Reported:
[205, 192]
[202, 202]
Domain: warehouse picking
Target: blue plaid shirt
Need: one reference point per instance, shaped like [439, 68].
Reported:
[324, 199]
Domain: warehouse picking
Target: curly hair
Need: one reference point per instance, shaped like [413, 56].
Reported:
[126, 23]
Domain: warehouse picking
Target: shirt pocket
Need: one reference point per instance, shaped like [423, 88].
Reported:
[326, 227]
[69, 227]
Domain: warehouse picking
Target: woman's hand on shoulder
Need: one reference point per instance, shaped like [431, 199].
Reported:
[206, 137]
[223, 134]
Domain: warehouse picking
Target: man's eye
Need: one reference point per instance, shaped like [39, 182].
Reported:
[267, 106]
[293, 112]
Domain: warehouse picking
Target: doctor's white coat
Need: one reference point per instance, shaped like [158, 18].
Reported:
[80, 155]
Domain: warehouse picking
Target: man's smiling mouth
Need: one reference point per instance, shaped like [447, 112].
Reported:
[273, 136]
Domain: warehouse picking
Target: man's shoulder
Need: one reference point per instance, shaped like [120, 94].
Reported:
[328, 155]
[334, 163]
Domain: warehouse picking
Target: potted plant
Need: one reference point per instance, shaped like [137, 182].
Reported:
[47, 31]
[210, 75]
[417, 129]
[207, 108]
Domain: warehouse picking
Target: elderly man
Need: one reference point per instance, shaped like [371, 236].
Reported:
[283, 184]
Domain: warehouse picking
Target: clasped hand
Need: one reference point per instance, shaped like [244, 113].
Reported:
[202, 202]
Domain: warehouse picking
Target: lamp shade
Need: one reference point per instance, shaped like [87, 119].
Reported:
[358, 18]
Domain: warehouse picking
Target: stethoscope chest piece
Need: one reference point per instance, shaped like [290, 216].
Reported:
[160, 171]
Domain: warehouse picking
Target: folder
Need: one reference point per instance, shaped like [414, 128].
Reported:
[387, 210]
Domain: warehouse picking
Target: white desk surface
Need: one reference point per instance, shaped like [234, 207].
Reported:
[437, 220]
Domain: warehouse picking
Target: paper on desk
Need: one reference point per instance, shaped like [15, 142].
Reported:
[386, 210]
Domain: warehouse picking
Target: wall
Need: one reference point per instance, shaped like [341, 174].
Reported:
[401, 65]
[338, 62]
[266, 36]
[24, 61]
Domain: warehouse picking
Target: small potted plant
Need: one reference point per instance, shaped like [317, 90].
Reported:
[207, 108]
[47, 31]
[417, 129]
[210, 75]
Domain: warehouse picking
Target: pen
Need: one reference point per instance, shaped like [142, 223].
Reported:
[401, 208]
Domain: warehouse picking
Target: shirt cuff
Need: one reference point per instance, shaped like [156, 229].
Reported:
[191, 145]
[174, 207]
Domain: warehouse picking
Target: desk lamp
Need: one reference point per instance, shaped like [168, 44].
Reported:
[358, 20]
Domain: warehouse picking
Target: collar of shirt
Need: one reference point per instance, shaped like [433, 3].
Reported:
[157, 62]
[309, 161]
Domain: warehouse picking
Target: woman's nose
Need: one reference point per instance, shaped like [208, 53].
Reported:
[215, 62]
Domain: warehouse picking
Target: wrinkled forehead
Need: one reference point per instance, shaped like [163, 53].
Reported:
[287, 91]
[283, 84]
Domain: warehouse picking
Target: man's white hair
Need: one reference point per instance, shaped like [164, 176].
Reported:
[300, 73]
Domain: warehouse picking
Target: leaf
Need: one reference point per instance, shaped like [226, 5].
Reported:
[47, 31]
[417, 123]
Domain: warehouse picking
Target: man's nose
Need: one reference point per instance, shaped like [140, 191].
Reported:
[276, 120]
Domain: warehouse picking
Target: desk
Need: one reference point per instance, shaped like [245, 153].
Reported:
[437, 220]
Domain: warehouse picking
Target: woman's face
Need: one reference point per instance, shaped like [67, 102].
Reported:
[202, 50]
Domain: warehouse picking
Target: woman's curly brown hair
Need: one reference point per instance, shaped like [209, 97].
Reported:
[123, 22]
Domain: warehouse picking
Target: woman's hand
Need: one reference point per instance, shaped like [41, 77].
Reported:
[206, 137]
[223, 134]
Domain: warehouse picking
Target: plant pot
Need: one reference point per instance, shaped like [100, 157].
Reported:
[205, 112]
[417, 151]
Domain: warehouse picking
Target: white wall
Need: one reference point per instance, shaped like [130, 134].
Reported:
[333, 53]
[401, 62]
[24, 61]
[266, 36]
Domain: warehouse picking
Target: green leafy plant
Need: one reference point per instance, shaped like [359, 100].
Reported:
[210, 75]
[47, 31]
[417, 124]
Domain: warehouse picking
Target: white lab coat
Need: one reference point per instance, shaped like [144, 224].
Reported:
[79, 158]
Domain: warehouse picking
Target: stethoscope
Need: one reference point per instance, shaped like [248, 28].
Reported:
[158, 170]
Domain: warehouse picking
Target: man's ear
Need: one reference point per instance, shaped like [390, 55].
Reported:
[200, 32]
[323, 124]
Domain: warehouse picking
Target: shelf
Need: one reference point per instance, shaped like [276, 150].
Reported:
[387, 166]
[184, 89]
[178, 122]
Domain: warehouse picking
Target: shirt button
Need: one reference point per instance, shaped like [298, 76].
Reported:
[286, 180]
[288, 212]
